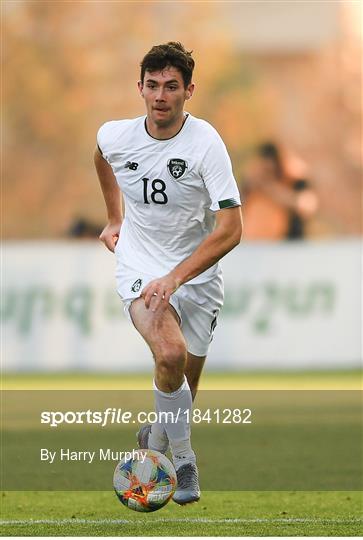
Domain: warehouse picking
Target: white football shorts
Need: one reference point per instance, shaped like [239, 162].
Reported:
[197, 305]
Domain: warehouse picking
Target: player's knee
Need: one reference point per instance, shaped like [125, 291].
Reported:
[171, 357]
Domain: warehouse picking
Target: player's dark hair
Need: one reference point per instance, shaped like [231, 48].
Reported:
[171, 54]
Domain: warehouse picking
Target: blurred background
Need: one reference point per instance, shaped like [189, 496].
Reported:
[281, 82]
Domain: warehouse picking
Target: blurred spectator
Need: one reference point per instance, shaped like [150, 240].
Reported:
[82, 228]
[279, 200]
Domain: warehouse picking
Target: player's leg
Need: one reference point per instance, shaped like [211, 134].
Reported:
[157, 328]
[161, 331]
[154, 436]
[171, 390]
[193, 370]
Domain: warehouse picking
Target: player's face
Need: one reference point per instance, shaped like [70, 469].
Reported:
[164, 94]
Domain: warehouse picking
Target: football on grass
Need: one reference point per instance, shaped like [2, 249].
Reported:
[145, 485]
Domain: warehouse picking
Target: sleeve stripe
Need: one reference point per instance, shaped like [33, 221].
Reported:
[228, 203]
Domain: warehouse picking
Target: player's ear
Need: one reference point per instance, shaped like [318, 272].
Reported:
[140, 87]
[189, 90]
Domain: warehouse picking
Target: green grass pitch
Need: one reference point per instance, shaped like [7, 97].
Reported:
[216, 514]
[219, 513]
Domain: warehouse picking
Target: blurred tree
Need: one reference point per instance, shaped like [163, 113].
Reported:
[70, 66]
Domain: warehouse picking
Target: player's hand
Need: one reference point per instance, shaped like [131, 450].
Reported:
[158, 292]
[110, 235]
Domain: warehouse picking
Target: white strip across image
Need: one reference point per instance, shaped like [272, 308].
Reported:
[289, 305]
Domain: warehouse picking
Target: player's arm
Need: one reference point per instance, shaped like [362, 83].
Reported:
[112, 195]
[226, 235]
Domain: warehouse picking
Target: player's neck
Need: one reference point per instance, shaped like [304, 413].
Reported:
[165, 132]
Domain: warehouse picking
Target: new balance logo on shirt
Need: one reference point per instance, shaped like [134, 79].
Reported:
[131, 165]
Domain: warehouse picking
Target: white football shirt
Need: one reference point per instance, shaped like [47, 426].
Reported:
[171, 190]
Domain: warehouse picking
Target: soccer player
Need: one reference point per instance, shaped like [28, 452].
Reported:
[182, 215]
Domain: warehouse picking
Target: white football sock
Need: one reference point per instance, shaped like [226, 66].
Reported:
[178, 430]
[158, 439]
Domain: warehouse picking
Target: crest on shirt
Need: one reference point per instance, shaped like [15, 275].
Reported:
[177, 167]
[137, 285]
